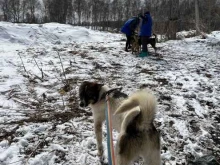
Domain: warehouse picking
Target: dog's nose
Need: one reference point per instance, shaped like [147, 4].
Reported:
[82, 104]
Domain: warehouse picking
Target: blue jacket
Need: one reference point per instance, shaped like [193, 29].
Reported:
[146, 26]
[129, 27]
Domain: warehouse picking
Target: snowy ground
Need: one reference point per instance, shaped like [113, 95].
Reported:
[41, 122]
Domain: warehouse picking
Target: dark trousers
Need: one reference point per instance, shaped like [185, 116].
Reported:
[144, 41]
[128, 42]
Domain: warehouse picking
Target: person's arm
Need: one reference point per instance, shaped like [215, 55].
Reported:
[133, 25]
[144, 19]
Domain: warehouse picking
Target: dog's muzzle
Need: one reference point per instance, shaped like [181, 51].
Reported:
[83, 103]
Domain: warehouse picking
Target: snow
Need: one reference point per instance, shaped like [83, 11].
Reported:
[49, 33]
[53, 129]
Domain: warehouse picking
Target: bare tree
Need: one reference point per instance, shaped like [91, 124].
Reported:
[14, 8]
[173, 19]
[69, 16]
[58, 10]
[79, 6]
[5, 8]
[197, 17]
[24, 10]
[32, 5]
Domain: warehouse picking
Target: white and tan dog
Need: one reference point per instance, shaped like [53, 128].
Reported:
[132, 117]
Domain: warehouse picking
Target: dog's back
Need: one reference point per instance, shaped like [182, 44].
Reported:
[138, 136]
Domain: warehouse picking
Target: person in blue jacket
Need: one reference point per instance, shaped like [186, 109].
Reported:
[145, 32]
[128, 29]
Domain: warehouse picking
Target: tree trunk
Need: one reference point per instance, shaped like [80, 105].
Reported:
[197, 17]
[209, 17]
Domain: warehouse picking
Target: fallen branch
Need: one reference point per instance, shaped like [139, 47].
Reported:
[22, 102]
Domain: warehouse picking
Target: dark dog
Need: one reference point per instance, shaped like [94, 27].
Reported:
[152, 41]
[132, 117]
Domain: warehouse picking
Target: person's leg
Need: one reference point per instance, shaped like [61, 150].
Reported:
[144, 40]
[128, 42]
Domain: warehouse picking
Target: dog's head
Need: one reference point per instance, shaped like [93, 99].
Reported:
[89, 93]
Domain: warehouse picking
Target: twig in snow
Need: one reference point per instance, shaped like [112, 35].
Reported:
[11, 63]
[63, 101]
[22, 102]
[11, 93]
[42, 73]
[57, 78]
[62, 66]
[35, 149]
[22, 62]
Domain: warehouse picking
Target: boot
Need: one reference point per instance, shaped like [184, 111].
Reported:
[143, 54]
[126, 49]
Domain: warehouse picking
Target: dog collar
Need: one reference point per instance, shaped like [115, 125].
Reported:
[109, 92]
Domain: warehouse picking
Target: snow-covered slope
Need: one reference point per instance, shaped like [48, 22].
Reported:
[50, 33]
[41, 122]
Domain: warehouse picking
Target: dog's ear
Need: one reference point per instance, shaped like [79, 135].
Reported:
[99, 86]
[94, 84]
[84, 85]
[91, 86]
